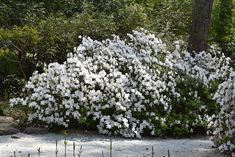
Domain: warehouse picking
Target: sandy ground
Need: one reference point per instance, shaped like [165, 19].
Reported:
[94, 145]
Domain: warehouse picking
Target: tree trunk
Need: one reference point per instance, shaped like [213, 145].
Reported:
[200, 25]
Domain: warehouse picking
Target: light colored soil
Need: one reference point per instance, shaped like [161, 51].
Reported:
[93, 145]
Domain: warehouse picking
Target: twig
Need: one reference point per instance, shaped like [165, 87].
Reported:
[152, 152]
[65, 143]
[56, 149]
[74, 149]
[80, 152]
[111, 147]
[169, 155]
[39, 151]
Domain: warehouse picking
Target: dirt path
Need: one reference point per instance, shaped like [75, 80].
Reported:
[93, 145]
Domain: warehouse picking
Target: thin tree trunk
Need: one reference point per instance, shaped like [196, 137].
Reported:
[20, 59]
[201, 19]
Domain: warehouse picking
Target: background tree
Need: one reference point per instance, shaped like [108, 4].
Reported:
[201, 19]
[222, 26]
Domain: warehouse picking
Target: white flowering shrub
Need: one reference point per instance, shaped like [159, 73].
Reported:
[126, 87]
[198, 76]
[224, 122]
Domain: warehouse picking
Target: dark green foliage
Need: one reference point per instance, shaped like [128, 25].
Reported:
[40, 31]
[190, 109]
[10, 83]
[222, 30]
[58, 36]
[172, 18]
[20, 12]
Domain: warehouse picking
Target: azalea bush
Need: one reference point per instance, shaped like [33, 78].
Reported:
[198, 77]
[224, 122]
[127, 87]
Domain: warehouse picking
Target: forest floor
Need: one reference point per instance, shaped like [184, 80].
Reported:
[93, 145]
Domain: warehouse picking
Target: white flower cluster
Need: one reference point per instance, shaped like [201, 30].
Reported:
[111, 82]
[204, 66]
[126, 87]
[224, 123]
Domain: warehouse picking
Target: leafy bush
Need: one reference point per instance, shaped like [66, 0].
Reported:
[19, 42]
[127, 87]
[10, 82]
